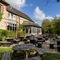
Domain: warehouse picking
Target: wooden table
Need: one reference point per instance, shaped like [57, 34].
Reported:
[23, 47]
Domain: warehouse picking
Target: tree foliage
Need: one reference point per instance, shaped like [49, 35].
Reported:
[20, 30]
[51, 26]
[46, 25]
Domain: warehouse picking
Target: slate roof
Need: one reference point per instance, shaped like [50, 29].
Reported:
[4, 2]
[17, 12]
[26, 23]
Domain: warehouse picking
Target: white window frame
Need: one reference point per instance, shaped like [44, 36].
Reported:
[12, 17]
[1, 8]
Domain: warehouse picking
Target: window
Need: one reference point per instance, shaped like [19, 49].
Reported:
[11, 27]
[12, 16]
[0, 8]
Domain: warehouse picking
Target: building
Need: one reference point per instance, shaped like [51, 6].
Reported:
[12, 17]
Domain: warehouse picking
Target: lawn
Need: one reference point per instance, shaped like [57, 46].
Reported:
[51, 56]
[2, 50]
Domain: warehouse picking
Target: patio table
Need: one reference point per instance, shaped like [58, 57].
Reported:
[23, 47]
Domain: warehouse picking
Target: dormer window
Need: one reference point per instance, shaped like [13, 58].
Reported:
[0, 8]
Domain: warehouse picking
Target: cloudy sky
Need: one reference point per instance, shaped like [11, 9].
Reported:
[37, 10]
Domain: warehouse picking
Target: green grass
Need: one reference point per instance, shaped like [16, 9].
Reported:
[2, 50]
[51, 56]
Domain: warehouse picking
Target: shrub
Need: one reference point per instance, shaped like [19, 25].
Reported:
[21, 33]
[6, 33]
[9, 33]
[20, 30]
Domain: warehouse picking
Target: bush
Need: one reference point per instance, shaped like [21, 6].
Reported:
[9, 33]
[21, 33]
[6, 33]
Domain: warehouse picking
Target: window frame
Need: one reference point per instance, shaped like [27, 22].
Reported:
[12, 16]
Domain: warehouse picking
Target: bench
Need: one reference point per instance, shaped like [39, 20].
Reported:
[16, 41]
[10, 40]
[51, 45]
[6, 56]
[39, 44]
[58, 48]
[5, 44]
[40, 51]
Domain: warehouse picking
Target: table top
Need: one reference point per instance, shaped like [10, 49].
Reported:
[23, 47]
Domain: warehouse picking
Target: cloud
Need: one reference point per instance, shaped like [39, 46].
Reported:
[40, 15]
[58, 16]
[17, 3]
[49, 17]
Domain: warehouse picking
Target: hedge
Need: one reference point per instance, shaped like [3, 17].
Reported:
[6, 33]
[21, 33]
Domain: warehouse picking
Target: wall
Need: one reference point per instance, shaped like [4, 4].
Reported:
[22, 20]
[2, 23]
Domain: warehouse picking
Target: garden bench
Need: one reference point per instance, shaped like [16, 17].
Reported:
[40, 51]
[58, 48]
[21, 38]
[16, 41]
[5, 43]
[33, 41]
[10, 40]
[6, 56]
[39, 44]
[58, 41]
[51, 45]
[28, 37]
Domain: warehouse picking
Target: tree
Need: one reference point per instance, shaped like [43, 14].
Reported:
[56, 24]
[20, 30]
[52, 1]
[46, 24]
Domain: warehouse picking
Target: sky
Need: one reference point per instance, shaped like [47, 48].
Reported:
[37, 10]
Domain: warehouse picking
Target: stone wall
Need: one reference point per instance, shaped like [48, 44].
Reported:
[2, 23]
[22, 20]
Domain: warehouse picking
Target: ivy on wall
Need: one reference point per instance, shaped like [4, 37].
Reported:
[0, 16]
